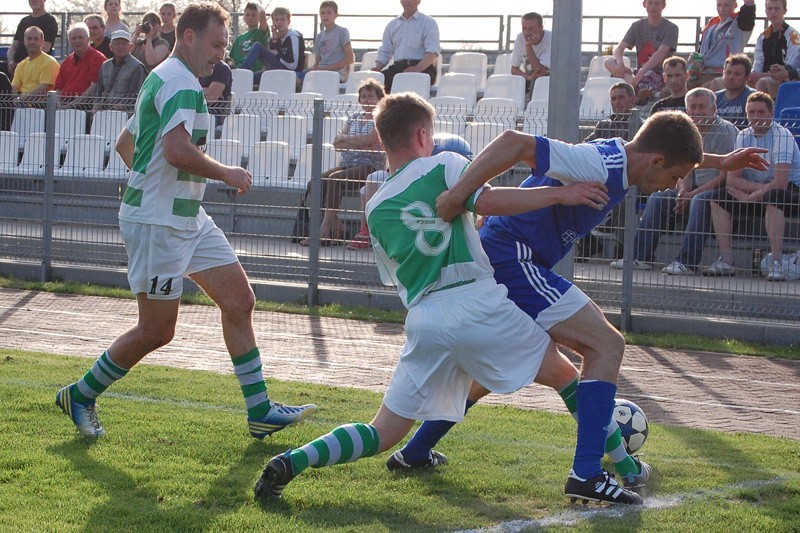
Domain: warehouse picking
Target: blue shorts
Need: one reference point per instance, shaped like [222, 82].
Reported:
[545, 296]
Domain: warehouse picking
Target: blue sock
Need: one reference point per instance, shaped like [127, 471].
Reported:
[595, 408]
[418, 449]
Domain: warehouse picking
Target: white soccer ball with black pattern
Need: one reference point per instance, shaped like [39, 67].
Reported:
[633, 424]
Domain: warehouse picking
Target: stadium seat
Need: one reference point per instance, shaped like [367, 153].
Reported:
[324, 82]
[26, 121]
[479, 134]
[293, 130]
[116, 168]
[368, 60]
[463, 85]
[476, 63]
[788, 96]
[69, 123]
[415, 82]
[534, 120]
[597, 68]
[790, 119]
[269, 161]
[85, 156]
[356, 78]
[302, 105]
[451, 114]
[596, 102]
[34, 156]
[502, 65]
[9, 151]
[243, 128]
[242, 83]
[506, 86]
[342, 105]
[331, 127]
[541, 91]
[263, 104]
[498, 110]
[108, 124]
[281, 82]
[303, 172]
[227, 151]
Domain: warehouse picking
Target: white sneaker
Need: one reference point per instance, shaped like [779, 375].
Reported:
[619, 264]
[720, 268]
[776, 272]
[676, 268]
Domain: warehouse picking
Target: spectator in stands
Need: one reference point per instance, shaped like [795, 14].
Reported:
[724, 35]
[152, 49]
[412, 39]
[114, 22]
[286, 49]
[777, 54]
[362, 155]
[530, 57]
[691, 197]
[675, 77]
[97, 35]
[217, 88]
[255, 18]
[6, 103]
[168, 13]
[120, 77]
[40, 18]
[732, 99]
[77, 77]
[655, 39]
[36, 74]
[775, 192]
[332, 48]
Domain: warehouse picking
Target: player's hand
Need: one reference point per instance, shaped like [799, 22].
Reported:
[590, 194]
[448, 206]
[238, 178]
[745, 158]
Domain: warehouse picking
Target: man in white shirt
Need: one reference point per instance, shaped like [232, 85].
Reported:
[531, 55]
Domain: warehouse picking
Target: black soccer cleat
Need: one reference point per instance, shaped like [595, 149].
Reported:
[601, 488]
[276, 475]
[396, 461]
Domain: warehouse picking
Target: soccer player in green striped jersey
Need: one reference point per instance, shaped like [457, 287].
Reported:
[456, 310]
[168, 235]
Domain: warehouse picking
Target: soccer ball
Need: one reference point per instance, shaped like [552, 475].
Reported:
[632, 422]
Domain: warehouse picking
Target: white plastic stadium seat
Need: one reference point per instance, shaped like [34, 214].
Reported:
[597, 68]
[331, 127]
[291, 130]
[479, 134]
[281, 82]
[85, 156]
[115, 168]
[268, 162]
[227, 151]
[451, 114]
[34, 156]
[497, 110]
[415, 82]
[541, 91]
[368, 60]
[9, 151]
[304, 170]
[26, 121]
[108, 124]
[476, 63]
[242, 82]
[534, 121]
[324, 82]
[356, 78]
[243, 128]
[342, 105]
[596, 102]
[69, 123]
[506, 86]
[502, 65]
[302, 105]
[264, 104]
[463, 85]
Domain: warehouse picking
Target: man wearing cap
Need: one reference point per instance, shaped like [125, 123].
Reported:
[121, 77]
[78, 75]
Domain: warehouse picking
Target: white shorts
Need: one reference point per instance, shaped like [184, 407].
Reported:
[160, 256]
[457, 335]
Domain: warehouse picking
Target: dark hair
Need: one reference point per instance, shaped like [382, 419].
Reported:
[759, 96]
[674, 61]
[152, 17]
[623, 85]
[197, 16]
[99, 18]
[533, 16]
[740, 59]
[251, 6]
[371, 84]
[673, 135]
[398, 115]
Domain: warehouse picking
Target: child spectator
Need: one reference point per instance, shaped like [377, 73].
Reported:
[332, 48]
[168, 13]
[286, 49]
[113, 10]
[255, 18]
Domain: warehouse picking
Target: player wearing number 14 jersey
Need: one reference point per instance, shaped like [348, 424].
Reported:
[456, 310]
[168, 235]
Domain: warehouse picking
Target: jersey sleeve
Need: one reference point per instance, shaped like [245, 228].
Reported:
[782, 147]
[455, 165]
[179, 105]
[570, 163]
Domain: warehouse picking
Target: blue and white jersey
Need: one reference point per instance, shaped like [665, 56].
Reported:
[551, 232]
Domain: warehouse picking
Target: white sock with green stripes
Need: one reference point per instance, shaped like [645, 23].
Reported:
[344, 444]
[101, 376]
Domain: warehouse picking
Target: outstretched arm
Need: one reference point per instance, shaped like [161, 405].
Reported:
[515, 200]
[505, 151]
[736, 160]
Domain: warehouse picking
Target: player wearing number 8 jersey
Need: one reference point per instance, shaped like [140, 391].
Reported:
[456, 311]
[168, 235]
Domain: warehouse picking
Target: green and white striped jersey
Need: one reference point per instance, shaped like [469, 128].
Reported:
[414, 248]
[157, 192]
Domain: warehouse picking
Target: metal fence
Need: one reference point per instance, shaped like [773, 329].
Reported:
[61, 183]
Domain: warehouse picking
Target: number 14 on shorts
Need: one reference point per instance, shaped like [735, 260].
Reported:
[165, 287]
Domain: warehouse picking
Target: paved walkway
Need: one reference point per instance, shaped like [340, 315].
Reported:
[703, 390]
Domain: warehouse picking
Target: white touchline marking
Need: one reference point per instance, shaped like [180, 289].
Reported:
[574, 516]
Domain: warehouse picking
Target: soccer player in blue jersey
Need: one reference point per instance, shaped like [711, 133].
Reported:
[524, 248]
